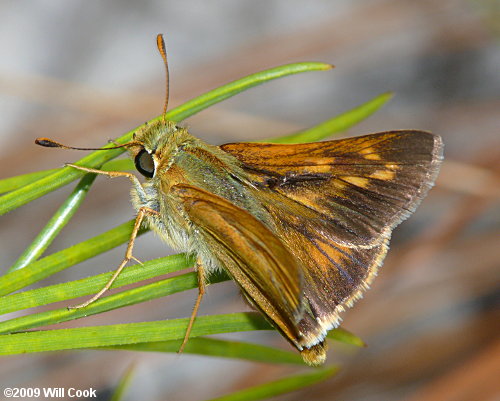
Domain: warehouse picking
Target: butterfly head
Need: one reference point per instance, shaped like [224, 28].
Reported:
[153, 144]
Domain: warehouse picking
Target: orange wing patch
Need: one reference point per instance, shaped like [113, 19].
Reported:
[362, 185]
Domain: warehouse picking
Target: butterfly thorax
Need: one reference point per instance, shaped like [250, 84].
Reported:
[181, 158]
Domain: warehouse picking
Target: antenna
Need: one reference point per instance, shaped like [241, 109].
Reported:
[160, 43]
[49, 143]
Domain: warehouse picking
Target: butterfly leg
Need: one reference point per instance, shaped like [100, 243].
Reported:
[143, 211]
[201, 291]
[111, 174]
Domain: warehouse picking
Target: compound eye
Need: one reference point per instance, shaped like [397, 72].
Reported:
[144, 163]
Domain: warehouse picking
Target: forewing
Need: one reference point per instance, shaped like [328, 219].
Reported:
[355, 189]
[250, 252]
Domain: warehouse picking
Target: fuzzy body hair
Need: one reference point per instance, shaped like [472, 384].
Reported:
[181, 158]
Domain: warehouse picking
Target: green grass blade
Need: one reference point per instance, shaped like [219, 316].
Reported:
[231, 89]
[124, 383]
[91, 285]
[55, 224]
[281, 386]
[218, 348]
[152, 291]
[130, 333]
[336, 124]
[65, 175]
[12, 183]
[344, 336]
[125, 298]
[50, 183]
[119, 165]
[61, 260]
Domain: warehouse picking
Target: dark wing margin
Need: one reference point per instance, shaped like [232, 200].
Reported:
[356, 189]
[255, 258]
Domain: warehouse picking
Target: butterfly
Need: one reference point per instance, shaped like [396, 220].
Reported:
[301, 228]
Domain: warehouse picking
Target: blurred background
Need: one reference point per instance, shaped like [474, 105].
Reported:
[84, 72]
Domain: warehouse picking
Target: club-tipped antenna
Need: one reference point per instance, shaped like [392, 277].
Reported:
[49, 143]
[160, 43]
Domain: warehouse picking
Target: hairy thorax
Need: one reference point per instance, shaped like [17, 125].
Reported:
[184, 159]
